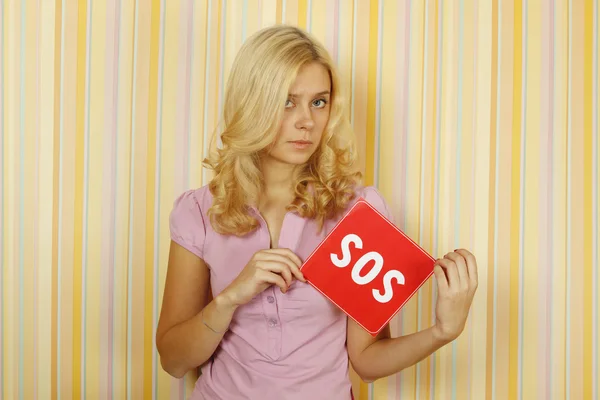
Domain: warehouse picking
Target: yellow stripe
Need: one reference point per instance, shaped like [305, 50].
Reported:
[55, 209]
[278, 12]
[302, 7]
[319, 24]
[588, 111]
[515, 205]
[150, 189]
[79, 170]
[371, 95]
[96, 322]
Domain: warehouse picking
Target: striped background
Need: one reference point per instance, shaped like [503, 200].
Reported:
[478, 120]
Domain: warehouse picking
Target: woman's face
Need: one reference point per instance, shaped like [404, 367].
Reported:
[305, 117]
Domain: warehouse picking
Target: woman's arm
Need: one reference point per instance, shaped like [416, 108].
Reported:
[374, 358]
[183, 340]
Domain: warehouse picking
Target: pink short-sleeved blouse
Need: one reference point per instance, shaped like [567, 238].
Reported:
[279, 346]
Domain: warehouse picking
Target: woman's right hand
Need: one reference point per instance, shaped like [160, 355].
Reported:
[265, 268]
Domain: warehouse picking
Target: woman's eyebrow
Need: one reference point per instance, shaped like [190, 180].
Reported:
[294, 95]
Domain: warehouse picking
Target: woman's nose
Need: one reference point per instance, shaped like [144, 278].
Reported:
[305, 120]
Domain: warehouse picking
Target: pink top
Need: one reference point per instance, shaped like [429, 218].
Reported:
[279, 346]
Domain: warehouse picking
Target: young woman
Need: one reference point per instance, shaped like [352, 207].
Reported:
[235, 300]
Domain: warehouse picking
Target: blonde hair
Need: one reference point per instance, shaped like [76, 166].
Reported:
[262, 73]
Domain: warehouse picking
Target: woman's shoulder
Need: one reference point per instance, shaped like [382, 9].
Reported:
[373, 196]
[192, 201]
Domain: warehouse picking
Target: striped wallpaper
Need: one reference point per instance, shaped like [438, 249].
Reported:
[478, 121]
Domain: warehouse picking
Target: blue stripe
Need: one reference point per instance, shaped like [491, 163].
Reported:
[206, 83]
[156, 194]
[21, 206]
[86, 193]
[569, 227]
[523, 187]
[60, 212]
[131, 197]
[116, 188]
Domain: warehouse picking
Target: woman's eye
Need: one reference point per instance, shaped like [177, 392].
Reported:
[288, 104]
[319, 103]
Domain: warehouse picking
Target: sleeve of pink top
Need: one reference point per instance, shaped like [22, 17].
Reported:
[186, 223]
[376, 199]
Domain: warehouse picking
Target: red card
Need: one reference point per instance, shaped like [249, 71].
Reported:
[368, 267]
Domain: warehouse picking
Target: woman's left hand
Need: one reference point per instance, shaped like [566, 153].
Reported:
[456, 276]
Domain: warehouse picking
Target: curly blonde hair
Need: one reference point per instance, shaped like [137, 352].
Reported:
[262, 73]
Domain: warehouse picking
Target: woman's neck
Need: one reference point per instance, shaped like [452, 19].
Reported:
[279, 181]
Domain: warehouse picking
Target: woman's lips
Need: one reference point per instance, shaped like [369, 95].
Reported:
[301, 144]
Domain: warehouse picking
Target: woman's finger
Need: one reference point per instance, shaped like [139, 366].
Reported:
[461, 268]
[274, 279]
[440, 276]
[471, 266]
[287, 253]
[451, 272]
[277, 267]
[283, 258]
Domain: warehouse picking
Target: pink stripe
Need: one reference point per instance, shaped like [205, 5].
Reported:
[109, 184]
[36, 217]
[183, 97]
[259, 14]
[473, 180]
[547, 244]
[2, 204]
[544, 207]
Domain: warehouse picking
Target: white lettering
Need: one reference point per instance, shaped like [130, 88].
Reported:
[346, 256]
[388, 292]
[360, 264]
[387, 285]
